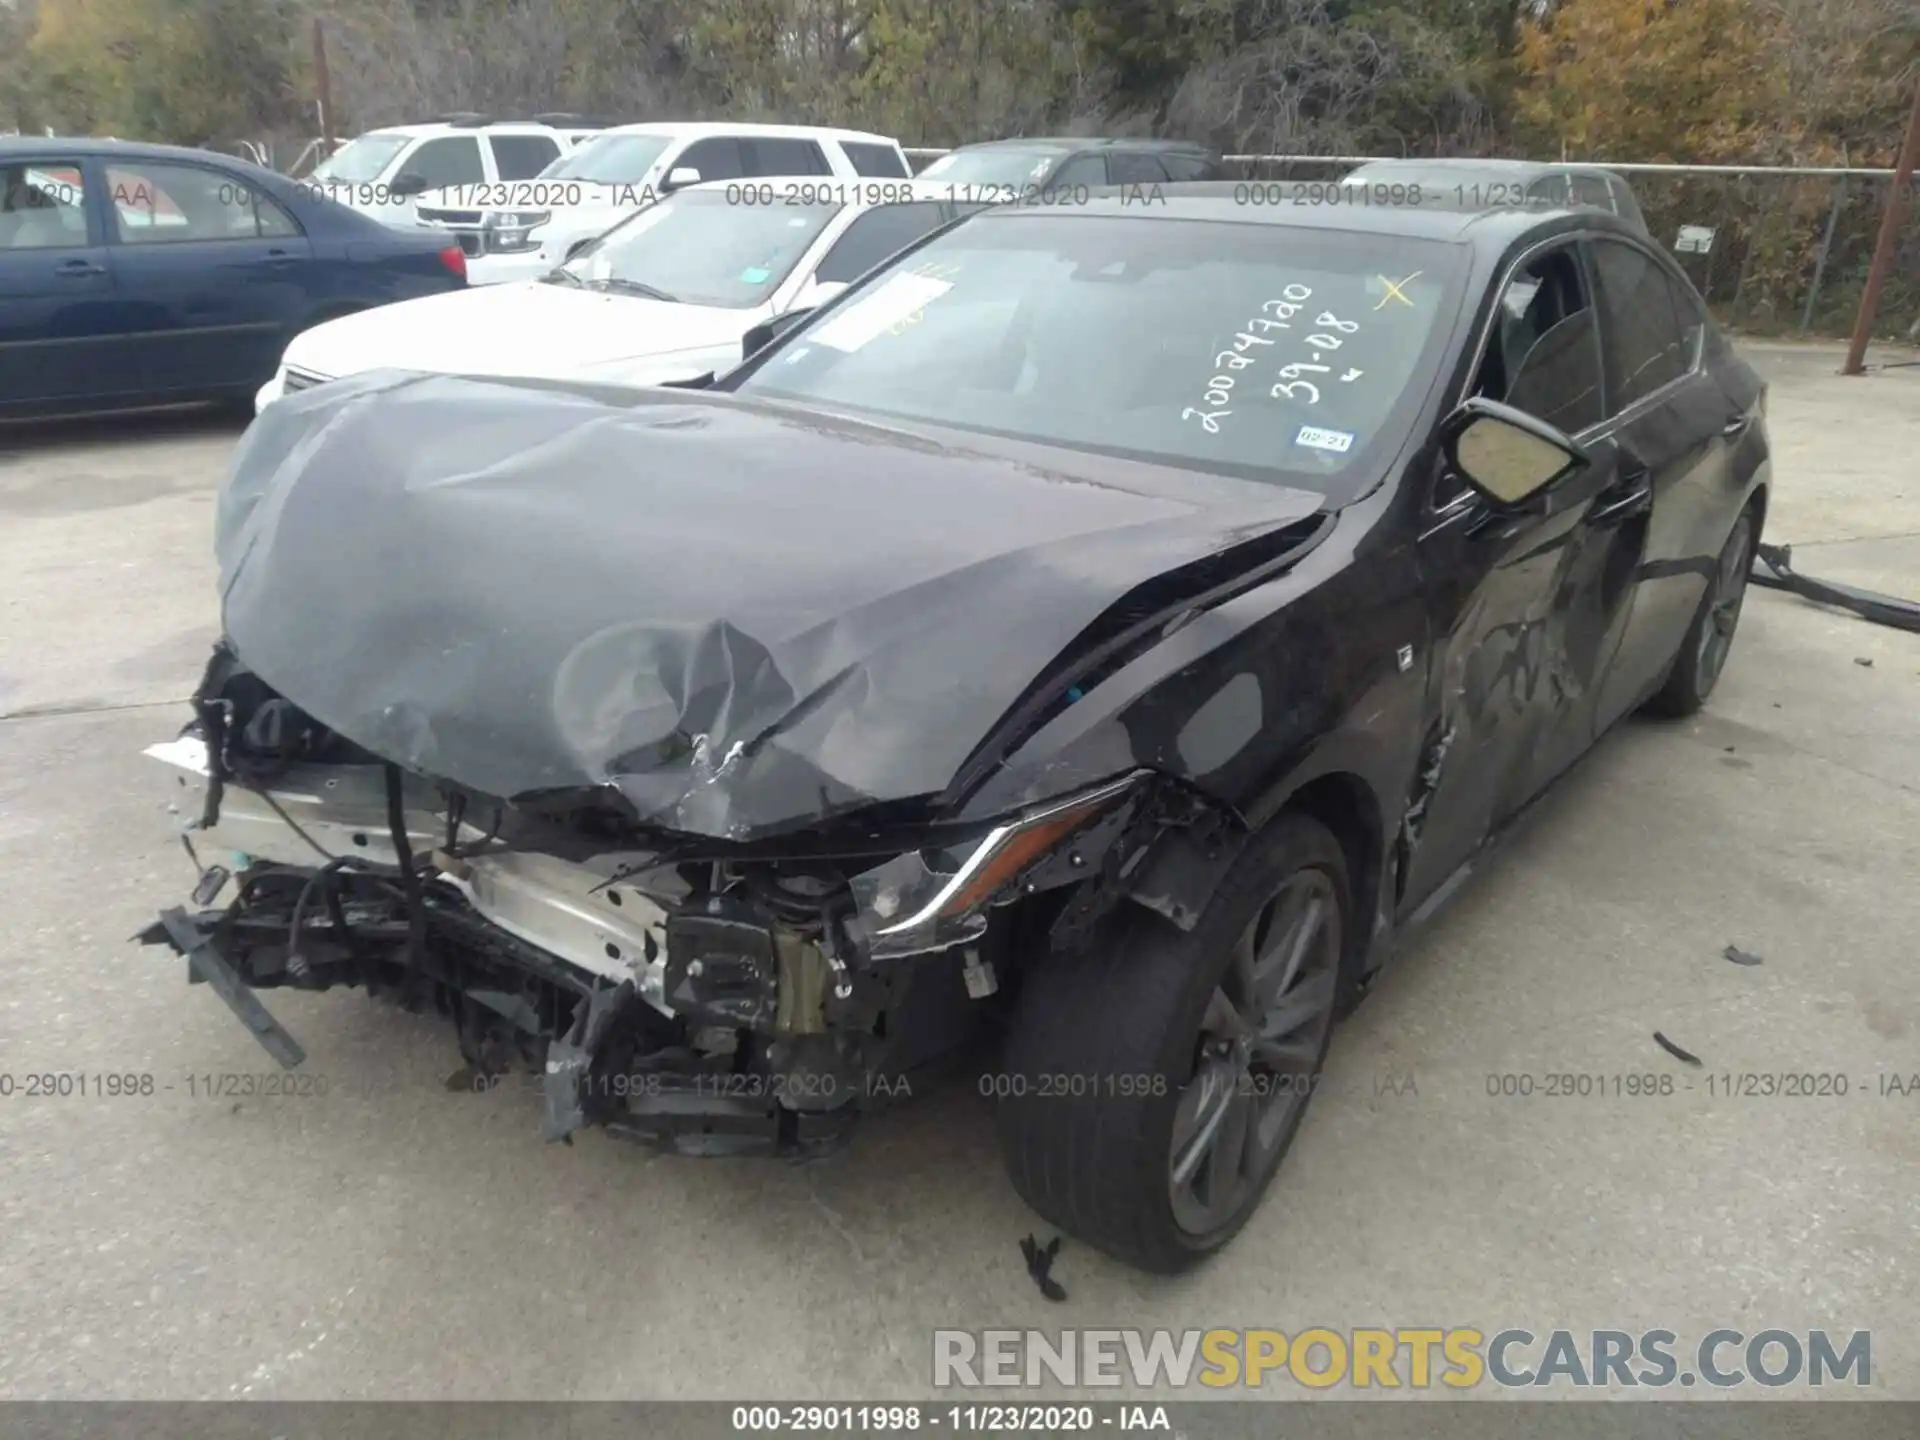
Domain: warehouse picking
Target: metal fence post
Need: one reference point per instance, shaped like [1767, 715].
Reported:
[1826, 248]
[1883, 249]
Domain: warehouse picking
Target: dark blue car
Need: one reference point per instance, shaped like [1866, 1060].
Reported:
[135, 275]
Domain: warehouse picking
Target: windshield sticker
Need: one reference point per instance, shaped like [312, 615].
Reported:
[754, 275]
[799, 353]
[896, 302]
[1338, 441]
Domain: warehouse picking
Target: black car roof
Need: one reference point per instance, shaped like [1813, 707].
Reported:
[1087, 142]
[1488, 228]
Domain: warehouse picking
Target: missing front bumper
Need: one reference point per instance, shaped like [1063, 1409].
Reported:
[545, 965]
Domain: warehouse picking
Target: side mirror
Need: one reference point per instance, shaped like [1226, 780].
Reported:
[1505, 454]
[681, 175]
[407, 184]
[768, 331]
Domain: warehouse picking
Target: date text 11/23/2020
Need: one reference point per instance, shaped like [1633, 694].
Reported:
[961, 1419]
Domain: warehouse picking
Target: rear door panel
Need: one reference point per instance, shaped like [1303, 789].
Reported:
[1676, 432]
[211, 300]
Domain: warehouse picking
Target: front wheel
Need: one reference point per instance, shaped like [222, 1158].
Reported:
[1153, 1085]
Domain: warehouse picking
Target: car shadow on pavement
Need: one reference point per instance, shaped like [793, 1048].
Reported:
[140, 427]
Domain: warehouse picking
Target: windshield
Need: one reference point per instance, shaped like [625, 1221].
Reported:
[1254, 350]
[361, 160]
[991, 167]
[611, 159]
[700, 247]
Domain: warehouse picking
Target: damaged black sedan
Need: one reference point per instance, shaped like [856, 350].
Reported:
[1100, 633]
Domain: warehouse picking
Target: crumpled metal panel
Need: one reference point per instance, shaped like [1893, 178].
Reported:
[745, 618]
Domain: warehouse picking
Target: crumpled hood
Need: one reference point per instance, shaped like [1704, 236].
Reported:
[524, 329]
[743, 617]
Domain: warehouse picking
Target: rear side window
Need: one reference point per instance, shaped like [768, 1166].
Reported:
[1693, 319]
[879, 233]
[1645, 339]
[275, 223]
[716, 158]
[1190, 167]
[450, 160]
[521, 157]
[1135, 169]
[783, 157]
[1080, 170]
[1592, 190]
[1548, 190]
[871, 159]
[160, 204]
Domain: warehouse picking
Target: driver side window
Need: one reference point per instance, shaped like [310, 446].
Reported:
[1543, 349]
[1543, 354]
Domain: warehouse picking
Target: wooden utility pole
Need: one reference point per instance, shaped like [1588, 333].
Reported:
[323, 88]
[1883, 250]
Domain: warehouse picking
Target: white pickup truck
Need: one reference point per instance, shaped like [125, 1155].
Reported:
[522, 230]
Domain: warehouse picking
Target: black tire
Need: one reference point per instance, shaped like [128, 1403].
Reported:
[1103, 1058]
[1702, 656]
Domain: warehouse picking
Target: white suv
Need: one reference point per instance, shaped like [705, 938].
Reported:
[383, 172]
[523, 230]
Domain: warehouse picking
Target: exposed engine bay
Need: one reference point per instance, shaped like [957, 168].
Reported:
[704, 995]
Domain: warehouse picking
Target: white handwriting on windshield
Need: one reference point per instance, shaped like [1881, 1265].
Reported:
[1236, 357]
[1327, 338]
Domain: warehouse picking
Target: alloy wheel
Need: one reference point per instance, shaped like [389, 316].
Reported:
[1261, 1038]
[1723, 606]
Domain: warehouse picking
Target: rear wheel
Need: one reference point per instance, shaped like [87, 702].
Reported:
[1153, 1085]
[1709, 639]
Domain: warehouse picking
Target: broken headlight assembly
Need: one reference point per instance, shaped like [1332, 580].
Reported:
[932, 900]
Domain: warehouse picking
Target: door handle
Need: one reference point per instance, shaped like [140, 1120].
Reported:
[79, 267]
[279, 258]
[1631, 495]
[1737, 426]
